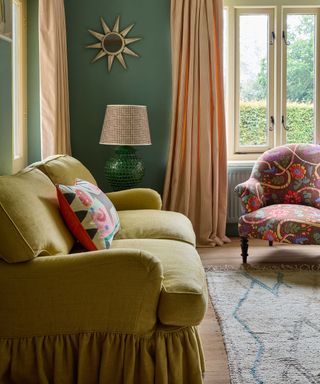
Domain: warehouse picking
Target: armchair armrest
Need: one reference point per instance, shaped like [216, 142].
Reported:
[100, 291]
[251, 195]
[137, 198]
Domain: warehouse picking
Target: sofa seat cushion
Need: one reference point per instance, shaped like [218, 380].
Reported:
[287, 223]
[155, 224]
[183, 299]
[30, 221]
[64, 169]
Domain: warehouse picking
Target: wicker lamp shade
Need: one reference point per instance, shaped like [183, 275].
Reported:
[125, 125]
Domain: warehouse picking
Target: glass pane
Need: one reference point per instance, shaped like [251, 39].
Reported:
[225, 50]
[225, 65]
[253, 45]
[300, 78]
[17, 78]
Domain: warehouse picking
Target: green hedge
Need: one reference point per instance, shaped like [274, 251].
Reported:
[300, 117]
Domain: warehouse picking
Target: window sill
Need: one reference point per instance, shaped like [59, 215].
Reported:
[5, 38]
[241, 163]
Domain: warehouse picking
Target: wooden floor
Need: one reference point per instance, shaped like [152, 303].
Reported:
[229, 254]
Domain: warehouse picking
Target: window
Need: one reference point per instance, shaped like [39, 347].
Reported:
[19, 85]
[273, 88]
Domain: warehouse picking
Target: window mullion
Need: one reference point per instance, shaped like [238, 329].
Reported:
[271, 77]
[283, 98]
[317, 76]
[278, 76]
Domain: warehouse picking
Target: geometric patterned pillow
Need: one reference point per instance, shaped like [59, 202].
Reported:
[89, 214]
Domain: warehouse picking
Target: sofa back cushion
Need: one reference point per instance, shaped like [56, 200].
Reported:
[30, 221]
[64, 169]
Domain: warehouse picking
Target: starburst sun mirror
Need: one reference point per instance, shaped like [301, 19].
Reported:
[113, 43]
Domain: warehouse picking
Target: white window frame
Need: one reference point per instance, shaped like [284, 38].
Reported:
[19, 87]
[270, 98]
[301, 11]
[279, 7]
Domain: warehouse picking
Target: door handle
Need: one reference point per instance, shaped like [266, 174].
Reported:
[271, 127]
[284, 123]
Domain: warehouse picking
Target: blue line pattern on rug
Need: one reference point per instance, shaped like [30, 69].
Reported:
[275, 292]
[295, 364]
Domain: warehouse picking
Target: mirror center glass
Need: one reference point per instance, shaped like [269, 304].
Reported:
[112, 43]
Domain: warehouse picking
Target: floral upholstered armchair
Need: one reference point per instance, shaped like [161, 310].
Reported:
[281, 199]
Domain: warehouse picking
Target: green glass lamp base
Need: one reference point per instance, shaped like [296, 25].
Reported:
[125, 169]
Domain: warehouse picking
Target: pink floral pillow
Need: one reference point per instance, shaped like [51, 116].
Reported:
[89, 214]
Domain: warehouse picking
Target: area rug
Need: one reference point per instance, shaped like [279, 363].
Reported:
[270, 321]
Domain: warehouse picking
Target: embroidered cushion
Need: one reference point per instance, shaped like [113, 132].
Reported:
[89, 214]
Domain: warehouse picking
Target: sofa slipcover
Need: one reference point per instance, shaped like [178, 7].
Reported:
[30, 222]
[155, 224]
[183, 298]
[124, 315]
[91, 318]
[64, 169]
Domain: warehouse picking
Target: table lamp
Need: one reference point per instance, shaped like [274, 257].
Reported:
[125, 126]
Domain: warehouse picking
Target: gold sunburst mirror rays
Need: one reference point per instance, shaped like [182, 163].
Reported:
[112, 43]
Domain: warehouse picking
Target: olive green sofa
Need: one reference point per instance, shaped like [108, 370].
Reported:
[124, 315]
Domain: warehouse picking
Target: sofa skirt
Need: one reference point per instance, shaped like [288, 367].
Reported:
[162, 357]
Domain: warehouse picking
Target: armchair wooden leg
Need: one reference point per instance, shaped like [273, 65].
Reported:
[244, 248]
[270, 243]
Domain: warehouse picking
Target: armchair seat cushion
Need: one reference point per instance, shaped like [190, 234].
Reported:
[155, 224]
[286, 223]
[183, 298]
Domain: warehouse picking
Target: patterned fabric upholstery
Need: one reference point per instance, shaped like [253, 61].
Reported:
[89, 214]
[281, 199]
[289, 223]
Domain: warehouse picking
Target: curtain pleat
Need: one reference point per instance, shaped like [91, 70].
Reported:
[54, 92]
[196, 178]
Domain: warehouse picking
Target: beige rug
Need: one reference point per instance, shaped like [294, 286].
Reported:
[270, 321]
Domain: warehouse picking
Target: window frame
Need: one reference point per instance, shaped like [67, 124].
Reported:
[270, 97]
[231, 6]
[19, 91]
[301, 11]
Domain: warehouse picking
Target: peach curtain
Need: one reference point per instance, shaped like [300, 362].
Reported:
[54, 93]
[196, 178]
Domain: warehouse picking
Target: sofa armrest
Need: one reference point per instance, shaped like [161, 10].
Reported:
[137, 198]
[251, 195]
[100, 291]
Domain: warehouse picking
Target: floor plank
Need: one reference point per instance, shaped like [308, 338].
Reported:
[259, 253]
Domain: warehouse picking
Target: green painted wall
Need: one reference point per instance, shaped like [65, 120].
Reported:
[147, 80]
[5, 108]
[34, 145]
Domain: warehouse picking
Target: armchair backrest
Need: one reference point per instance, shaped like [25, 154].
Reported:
[290, 174]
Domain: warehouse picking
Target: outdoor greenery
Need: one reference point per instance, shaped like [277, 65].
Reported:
[254, 124]
[300, 91]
